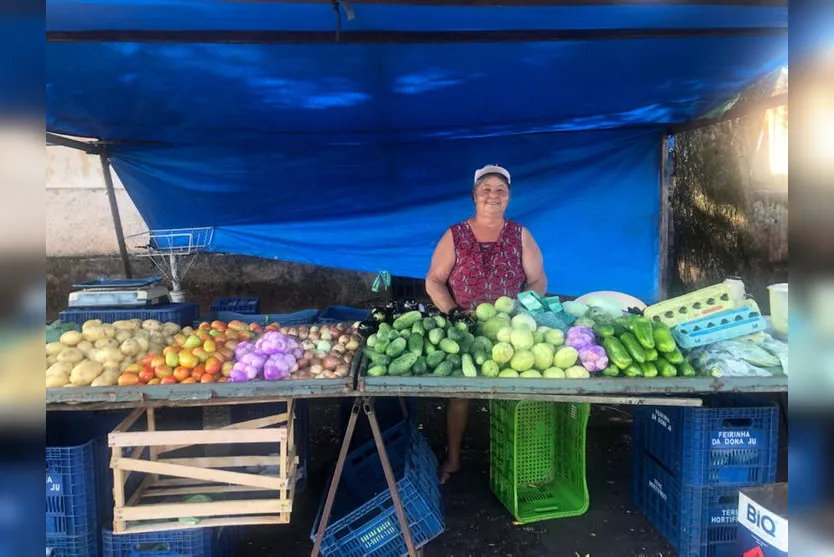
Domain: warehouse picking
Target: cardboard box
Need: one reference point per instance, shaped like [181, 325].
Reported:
[763, 521]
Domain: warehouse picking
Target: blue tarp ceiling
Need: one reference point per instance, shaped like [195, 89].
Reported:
[360, 154]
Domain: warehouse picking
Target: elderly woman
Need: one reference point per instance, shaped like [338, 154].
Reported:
[476, 261]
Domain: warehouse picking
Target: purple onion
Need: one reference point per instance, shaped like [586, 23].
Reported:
[593, 357]
[243, 348]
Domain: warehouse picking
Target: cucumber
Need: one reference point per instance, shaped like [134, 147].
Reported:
[633, 370]
[479, 355]
[444, 369]
[454, 334]
[455, 360]
[665, 368]
[418, 329]
[415, 343]
[381, 346]
[371, 340]
[430, 348]
[435, 358]
[449, 346]
[651, 354]
[440, 321]
[402, 364]
[686, 370]
[457, 373]
[384, 329]
[635, 349]
[376, 371]
[468, 366]
[396, 348]
[649, 369]
[406, 320]
[617, 353]
[674, 357]
[485, 342]
[394, 335]
[436, 335]
[428, 324]
[380, 360]
[420, 366]
[611, 371]
[467, 341]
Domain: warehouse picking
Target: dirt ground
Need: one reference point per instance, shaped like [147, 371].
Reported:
[476, 522]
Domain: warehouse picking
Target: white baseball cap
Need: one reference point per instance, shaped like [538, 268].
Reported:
[492, 169]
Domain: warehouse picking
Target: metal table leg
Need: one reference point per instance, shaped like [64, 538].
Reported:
[337, 476]
[366, 404]
[389, 476]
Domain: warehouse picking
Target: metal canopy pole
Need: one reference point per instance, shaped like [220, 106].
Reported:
[114, 211]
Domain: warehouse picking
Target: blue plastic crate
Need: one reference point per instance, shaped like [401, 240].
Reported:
[734, 441]
[697, 521]
[303, 317]
[193, 542]
[77, 470]
[343, 314]
[246, 306]
[723, 325]
[301, 434]
[183, 314]
[364, 522]
[73, 546]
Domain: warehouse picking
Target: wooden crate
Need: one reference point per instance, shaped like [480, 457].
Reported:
[238, 496]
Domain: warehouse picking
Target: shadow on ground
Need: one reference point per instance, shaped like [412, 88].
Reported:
[476, 522]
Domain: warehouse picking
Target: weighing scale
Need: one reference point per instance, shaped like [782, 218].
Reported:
[108, 292]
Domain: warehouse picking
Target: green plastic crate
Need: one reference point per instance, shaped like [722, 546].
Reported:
[537, 458]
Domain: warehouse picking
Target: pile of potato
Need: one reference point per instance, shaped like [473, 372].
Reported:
[97, 354]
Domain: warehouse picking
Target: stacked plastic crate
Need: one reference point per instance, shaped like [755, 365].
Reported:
[364, 520]
[690, 462]
[76, 481]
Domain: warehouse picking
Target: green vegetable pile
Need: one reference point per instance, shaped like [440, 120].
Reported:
[503, 343]
[636, 347]
[413, 344]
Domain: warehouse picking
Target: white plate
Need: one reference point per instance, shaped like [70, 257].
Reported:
[624, 300]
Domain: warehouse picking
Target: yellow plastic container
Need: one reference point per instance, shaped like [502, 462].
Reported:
[779, 306]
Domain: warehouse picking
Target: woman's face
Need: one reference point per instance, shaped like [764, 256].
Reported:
[492, 196]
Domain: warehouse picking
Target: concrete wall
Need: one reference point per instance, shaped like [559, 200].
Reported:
[81, 245]
[78, 219]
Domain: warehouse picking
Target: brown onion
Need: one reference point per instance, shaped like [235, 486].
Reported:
[342, 369]
[314, 328]
[344, 339]
[331, 362]
[314, 335]
[308, 355]
[321, 355]
[352, 345]
[315, 369]
[339, 348]
[308, 345]
[303, 362]
[294, 368]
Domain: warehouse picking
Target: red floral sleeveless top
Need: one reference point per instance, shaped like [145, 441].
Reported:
[484, 272]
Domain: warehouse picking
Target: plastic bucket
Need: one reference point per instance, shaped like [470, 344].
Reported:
[176, 296]
[779, 306]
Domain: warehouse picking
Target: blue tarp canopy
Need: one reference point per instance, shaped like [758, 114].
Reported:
[348, 137]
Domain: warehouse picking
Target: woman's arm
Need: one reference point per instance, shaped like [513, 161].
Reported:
[442, 263]
[533, 263]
